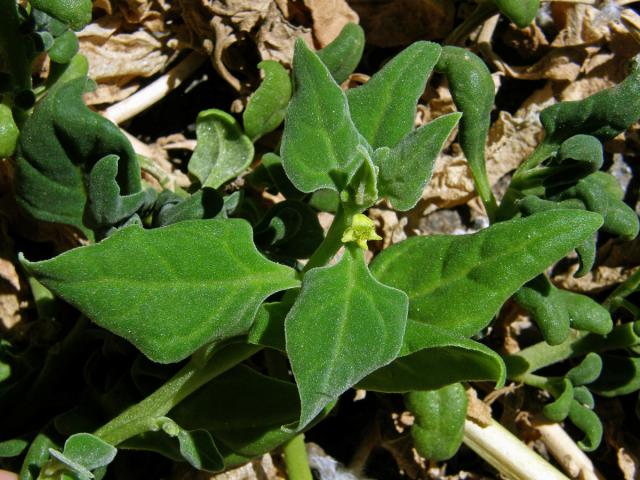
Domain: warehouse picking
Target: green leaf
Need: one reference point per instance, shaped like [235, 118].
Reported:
[319, 140]
[243, 410]
[76, 13]
[196, 446]
[586, 371]
[558, 410]
[458, 282]
[268, 327]
[384, 108]
[136, 282]
[343, 54]
[361, 191]
[406, 169]
[555, 310]
[601, 193]
[587, 421]
[620, 376]
[473, 92]
[439, 421]
[520, 12]
[203, 204]
[447, 357]
[583, 396]
[289, 229]
[343, 326]
[89, 451]
[223, 152]
[8, 132]
[59, 145]
[12, 448]
[36, 457]
[64, 48]
[604, 114]
[105, 204]
[267, 106]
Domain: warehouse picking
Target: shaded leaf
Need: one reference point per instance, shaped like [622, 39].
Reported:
[343, 326]
[203, 204]
[290, 229]
[243, 410]
[601, 193]
[12, 448]
[620, 376]
[196, 447]
[384, 108]
[460, 282]
[106, 206]
[439, 421]
[587, 421]
[448, 358]
[267, 106]
[555, 310]
[587, 371]
[223, 152]
[520, 12]
[558, 410]
[58, 147]
[135, 284]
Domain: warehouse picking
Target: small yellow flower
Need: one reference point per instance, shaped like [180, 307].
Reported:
[362, 229]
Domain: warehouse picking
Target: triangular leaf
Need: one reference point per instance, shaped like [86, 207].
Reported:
[384, 108]
[319, 140]
[356, 324]
[136, 282]
[407, 168]
[459, 282]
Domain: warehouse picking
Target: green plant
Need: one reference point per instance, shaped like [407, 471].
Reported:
[201, 281]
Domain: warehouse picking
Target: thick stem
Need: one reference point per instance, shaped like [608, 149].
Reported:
[295, 459]
[142, 416]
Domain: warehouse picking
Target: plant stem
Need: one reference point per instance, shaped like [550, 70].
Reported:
[142, 416]
[332, 241]
[483, 11]
[295, 458]
[507, 453]
[542, 354]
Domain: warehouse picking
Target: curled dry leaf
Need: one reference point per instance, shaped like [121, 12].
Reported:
[329, 16]
[117, 60]
[389, 225]
[251, 24]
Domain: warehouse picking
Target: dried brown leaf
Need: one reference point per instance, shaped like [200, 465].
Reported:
[329, 17]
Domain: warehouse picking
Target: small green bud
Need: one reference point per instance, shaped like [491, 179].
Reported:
[362, 229]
